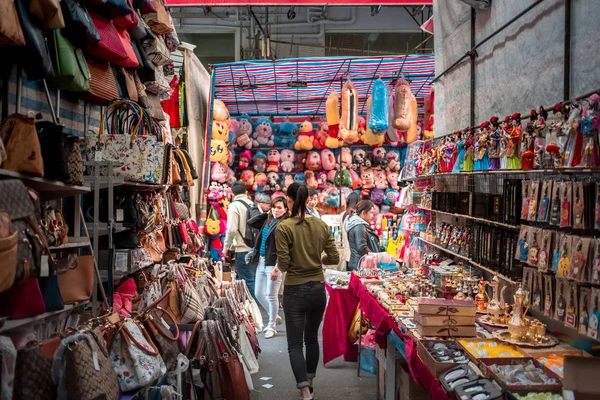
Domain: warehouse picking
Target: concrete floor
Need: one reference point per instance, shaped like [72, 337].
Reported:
[336, 382]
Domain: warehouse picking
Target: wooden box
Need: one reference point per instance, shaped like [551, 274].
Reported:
[434, 366]
[446, 307]
[444, 320]
[447, 331]
[485, 363]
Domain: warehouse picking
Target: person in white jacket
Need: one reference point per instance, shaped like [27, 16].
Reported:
[351, 202]
[237, 215]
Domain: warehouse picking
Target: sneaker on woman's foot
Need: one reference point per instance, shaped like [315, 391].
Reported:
[278, 321]
[270, 332]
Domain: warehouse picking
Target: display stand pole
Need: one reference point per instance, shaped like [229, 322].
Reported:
[359, 342]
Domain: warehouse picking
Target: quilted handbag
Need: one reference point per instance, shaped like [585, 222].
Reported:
[103, 85]
[192, 308]
[76, 278]
[22, 145]
[135, 358]
[35, 57]
[8, 251]
[128, 21]
[61, 153]
[88, 369]
[48, 13]
[11, 33]
[110, 46]
[70, 68]
[156, 50]
[79, 27]
[33, 371]
[158, 21]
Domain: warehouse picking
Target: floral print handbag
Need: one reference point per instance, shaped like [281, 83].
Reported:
[135, 357]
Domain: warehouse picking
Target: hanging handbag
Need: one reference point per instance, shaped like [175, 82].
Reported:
[11, 33]
[110, 46]
[76, 278]
[79, 27]
[103, 85]
[48, 13]
[88, 370]
[141, 92]
[155, 109]
[159, 331]
[129, 77]
[23, 300]
[156, 50]
[141, 258]
[150, 246]
[190, 163]
[158, 21]
[23, 151]
[192, 308]
[140, 31]
[35, 57]
[135, 357]
[50, 289]
[33, 371]
[61, 153]
[128, 21]
[111, 9]
[70, 68]
[159, 85]
[8, 251]
[132, 59]
[171, 38]
[53, 225]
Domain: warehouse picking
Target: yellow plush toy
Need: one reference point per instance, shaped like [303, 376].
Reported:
[332, 112]
[412, 133]
[218, 151]
[349, 121]
[221, 113]
[220, 131]
[370, 138]
[428, 120]
[306, 137]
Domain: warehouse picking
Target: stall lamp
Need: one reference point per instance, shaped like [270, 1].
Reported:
[297, 84]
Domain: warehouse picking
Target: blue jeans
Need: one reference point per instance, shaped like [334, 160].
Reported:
[304, 306]
[244, 271]
[267, 291]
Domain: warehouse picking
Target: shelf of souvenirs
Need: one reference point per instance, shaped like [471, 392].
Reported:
[73, 243]
[467, 259]
[486, 221]
[16, 323]
[559, 171]
[47, 189]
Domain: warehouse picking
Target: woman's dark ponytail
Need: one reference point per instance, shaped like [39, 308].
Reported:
[298, 192]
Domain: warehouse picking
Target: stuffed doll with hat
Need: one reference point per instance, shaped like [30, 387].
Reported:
[260, 181]
[313, 161]
[260, 162]
[263, 133]
[391, 195]
[273, 158]
[287, 160]
[218, 151]
[244, 160]
[349, 120]
[306, 137]
[332, 114]
[321, 136]
[244, 131]
[327, 160]
[287, 134]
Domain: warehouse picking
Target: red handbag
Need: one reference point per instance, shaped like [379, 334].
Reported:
[129, 21]
[24, 300]
[132, 60]
[110, 47]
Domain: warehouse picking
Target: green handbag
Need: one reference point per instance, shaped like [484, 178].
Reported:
[70, 68]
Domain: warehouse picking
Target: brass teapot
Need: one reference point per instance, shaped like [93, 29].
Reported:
[517, 325]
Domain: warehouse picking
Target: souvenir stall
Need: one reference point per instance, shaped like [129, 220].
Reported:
[498, 295]
[326, 122]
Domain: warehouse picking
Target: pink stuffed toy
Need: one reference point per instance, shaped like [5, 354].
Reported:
[306, 137]
[273, 158]
[272, 182]
[356, 181]
[244, 160]
[362, 130]
[331, 175]
[327, 160]
[392, 178]
[313, 161]
[260, 181]
[233, 126]
[345, 157]
[288, 180]
[247, 176]
[393, 158]
[287, 160]
[311, 181]
[322, 180]
[277, 194]
[218, 172]
[381, 180]
[367, 177]
[321, 135]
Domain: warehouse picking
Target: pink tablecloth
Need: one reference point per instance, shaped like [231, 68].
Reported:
[340, 310]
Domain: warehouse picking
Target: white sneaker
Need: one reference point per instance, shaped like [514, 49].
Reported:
[269, 333]
[278, 321]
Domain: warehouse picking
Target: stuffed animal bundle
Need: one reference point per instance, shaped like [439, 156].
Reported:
[428, 120]
[273, 158]
[321, 136]
[332, 113]
[263, 133]
[327, 160]
[370, 138]
[349, 120]
[218, 151]
[218, 172]
[287, 160]
[260, 162]
[243, 132]
[306, 137]
[313, 161]
[287, 134]
[402, 106]
[379, 119]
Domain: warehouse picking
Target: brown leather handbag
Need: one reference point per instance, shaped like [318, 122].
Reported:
[33, 370]
[169, 301]
[228, 365]
[103, 84]
[48, 12]
[158, 328]
[158, 21]
[23, 150]
[130, 83]
[356, 326]
[11, 33]
[76, 278]
[8, 251]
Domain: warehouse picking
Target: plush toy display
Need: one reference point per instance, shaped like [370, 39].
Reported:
[356, 181]
[412, 133]
[230, 156]
[392, 178]
[332, 113]
[311, 181]
[349, 120]
[260, 181]
[247, 176]
[370, 138]
[244, 160]
[287, 134]
[379, 157]
[299, 177]
[321, 136]
[327, 160]
[272, 182]
[220, 131]
[218, 172]
[263, 133]
[313, 161]
[287, 160]
[402, 107]
[218, 151]
[306, 137]
[260, 162]
[342, 178]
[243, 132]
[273, 158]
[345, 157]
[381, 179]
[368, 178]
[393, 158]
[379, 119]
[359, 159]
[287, 181]
[233, 127]
[428, 120]
[221, 113]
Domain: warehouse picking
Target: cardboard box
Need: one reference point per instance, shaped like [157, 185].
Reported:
[407, 387]
[581, 378]
[446, 307]
[444, 320]
[434, 366]
[485, 364]
[443, 331]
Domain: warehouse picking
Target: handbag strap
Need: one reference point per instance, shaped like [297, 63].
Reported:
[188, 348]
[129, 339]
[161, 329]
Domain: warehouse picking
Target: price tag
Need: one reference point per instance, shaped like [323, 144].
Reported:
[45, 268]
[98, 156]
[165, 323]
[120, 215]
[96, 362]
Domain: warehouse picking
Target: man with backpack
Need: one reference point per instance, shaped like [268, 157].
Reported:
[241, 238]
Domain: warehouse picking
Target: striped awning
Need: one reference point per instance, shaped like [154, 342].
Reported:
[300, 86]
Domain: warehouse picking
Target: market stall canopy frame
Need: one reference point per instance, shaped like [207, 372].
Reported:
[233, 3]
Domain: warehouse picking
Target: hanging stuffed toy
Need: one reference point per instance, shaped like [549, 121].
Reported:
[349, 121]
[313, 161]
[321, 136]
[356, 181]
[221, 113]
[273, 159]
[391, 135]
[220, 131]
[260, 162]
[218, 172]
[402, 107]
[306, 137]
[244, 131]
[327, 160]
[332, 112]
[260, 181]
[263, 133]
[412, 134]
[218, 151]
[287, 134]
[367, 178]
[247, 176]
[244, 160]
[428, 121]
[311, 181]
[370, 138]
[287, 160]
[379, 119]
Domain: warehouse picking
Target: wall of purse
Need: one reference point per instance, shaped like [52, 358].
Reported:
[132, 348]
